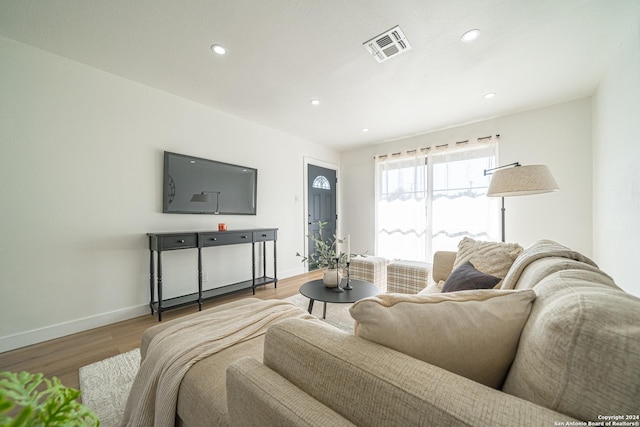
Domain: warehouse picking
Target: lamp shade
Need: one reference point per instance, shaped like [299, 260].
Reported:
[521, 181]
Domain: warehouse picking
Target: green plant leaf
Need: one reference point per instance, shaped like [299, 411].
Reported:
[54, 405]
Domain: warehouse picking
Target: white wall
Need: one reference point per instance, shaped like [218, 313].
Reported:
[616, 149]
[81, 170]
[558, 136]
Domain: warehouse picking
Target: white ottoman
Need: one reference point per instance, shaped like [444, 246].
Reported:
[371, 269]
[407, 277]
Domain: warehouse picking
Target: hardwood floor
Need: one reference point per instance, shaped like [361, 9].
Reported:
[63, 357]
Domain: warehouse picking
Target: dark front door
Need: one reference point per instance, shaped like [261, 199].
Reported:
[321, 188]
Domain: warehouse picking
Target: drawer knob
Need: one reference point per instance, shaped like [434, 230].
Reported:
[214, 239]
[245, 237]
[264, 235]
[181, 241]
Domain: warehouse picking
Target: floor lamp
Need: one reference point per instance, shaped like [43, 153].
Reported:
[517, 180]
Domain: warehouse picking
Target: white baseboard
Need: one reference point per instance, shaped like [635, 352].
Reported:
[291, 273]
[23, 339]
[35, 336]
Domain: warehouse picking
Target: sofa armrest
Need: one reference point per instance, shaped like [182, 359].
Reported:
[257, 396]
[370, 384]
[442, 265]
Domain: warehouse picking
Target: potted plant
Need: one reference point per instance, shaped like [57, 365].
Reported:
[326, 257]
[32, 400]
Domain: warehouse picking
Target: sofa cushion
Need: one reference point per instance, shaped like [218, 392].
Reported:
[274, 401]
[373, 385]
[467, 277]
[471, 333]
[494, 258]
[202, 399]
[579, 353]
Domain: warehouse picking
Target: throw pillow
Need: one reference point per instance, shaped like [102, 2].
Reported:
[494, 258]
[471, 333]
[466, 277]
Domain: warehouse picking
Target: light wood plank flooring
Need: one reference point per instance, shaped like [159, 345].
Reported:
[63, 357]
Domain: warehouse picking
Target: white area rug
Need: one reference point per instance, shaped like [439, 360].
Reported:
[105, 385]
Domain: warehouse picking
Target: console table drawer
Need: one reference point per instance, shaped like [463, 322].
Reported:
[225, 238]
[177, 241]
[264, 235]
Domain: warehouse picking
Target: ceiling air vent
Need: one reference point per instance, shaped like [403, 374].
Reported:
[388, 44]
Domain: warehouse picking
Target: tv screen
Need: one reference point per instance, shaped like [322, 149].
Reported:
[199, 186]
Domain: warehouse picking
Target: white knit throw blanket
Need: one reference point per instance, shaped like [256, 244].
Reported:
[154, 394]
[541, 249]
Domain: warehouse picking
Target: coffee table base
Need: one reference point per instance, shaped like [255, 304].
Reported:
[324, 308]
[317, 291]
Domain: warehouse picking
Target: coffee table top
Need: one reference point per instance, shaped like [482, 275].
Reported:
[316, 290]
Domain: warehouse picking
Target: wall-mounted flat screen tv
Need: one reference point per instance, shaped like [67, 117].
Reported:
[199, 186]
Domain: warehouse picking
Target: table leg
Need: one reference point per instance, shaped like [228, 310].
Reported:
[253, 263]
[159, 282]
[324, 311]
[310, 308]
[275, 266]
[199, 279]
[152, 280]
[264, 259]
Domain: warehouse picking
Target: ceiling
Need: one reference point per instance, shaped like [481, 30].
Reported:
[283, 53]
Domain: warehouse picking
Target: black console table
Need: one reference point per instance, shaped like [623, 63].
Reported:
[160, 242]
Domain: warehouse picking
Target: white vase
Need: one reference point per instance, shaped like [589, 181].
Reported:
[332, 277]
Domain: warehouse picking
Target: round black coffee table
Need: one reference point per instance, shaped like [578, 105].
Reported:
[317, 291]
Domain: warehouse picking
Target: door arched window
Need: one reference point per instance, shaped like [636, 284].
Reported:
[321, 182]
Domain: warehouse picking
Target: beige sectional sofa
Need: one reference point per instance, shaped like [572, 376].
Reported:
[577, 357]
[558, 342]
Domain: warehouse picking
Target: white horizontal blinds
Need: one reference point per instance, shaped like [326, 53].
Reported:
[401, 206]
[427, 200]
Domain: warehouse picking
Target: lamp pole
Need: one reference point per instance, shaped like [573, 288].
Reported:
[502, 210]
[503, 216]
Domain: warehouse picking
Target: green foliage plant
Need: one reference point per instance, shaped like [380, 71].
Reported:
[31, 400]
[325, 255]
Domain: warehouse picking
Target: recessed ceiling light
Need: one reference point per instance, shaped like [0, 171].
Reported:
[365, 130]
[219, 49]
[470, 35]
[489, 95]
[315, 102]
